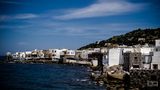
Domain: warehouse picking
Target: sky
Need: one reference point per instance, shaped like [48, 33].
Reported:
[43, 24]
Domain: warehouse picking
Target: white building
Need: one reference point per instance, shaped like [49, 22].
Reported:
[104, 50]
[22, 55]
[28, 54]
[158, 43]
[147, 53]
[71, 52]
[156, 56]
[57, 53]
[96, 49]
[15, 55]
[84, 54]
[131, 50]
[40, 54]
[115, 56]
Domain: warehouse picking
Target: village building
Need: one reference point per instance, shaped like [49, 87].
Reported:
[34, 54]
[28, 55]
[57, 53]
[156, 56]
[47, 54]
[132, 60]
[104, 50]
[40, 54]
[83, 54]
[115, 56]
[22, 55]
[78, 54]
[147, 53]
[70, 54]
[15, 55]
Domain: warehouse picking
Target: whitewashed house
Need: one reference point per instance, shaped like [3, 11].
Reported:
[115, 56]
[156, 56]
[131, 49]
[70, 53]
[28, 55]
[96, 49]
[56, 53]
[40, 54]
[104, 50]
[84, 54]
[22, 55]
[15, 55]
[147, 53]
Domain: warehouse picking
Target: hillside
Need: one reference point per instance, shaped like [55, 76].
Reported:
[132, 38]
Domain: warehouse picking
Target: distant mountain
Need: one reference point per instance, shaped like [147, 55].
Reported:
[135, 37]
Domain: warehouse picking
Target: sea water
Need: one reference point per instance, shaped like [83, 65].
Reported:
[45, 77]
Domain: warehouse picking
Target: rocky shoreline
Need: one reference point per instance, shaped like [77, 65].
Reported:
[135, 80]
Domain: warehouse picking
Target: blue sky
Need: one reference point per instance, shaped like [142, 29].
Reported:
[43, 24]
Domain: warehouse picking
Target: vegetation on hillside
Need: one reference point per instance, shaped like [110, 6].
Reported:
[132, 38]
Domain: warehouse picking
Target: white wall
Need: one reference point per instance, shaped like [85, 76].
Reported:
[115, 56]
[57, 53]
[131, 50]
[156, 57]
[157, 42]
[146, 50]
[70, 52]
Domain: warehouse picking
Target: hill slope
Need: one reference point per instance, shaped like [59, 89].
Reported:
[132, 38]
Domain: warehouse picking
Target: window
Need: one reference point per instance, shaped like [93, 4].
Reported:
[135, 57]
[155, 66]
[135, 66]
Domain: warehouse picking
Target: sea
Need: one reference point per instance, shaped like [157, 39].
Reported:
[46, 77]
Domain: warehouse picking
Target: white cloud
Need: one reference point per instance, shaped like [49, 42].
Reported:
[25, 16]
[18, 16]
[101, 8]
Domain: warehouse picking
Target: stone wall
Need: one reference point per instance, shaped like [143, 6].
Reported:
[145, 79]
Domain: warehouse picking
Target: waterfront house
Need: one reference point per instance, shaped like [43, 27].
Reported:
[156, 56]
[70, 54]
[84, 54]
[147, 53]
[40, 54]
[56, 53]
[132, 60]
[104, 50]
[96, 50]
[96, 56]
[115, 56]
[15, 56]
[131, 49]
[22, 55]
[47, 55]
[78, 54]
[28, 55]
[34, 54]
